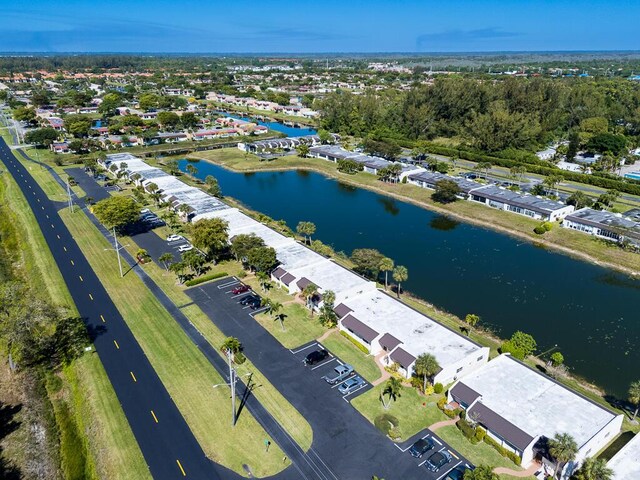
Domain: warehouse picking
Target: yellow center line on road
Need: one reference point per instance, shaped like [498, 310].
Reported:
[43, 208]
[181, 469]
[133, 376]
[80, 276]
[154, 416]
[102, 318]
[72, 262]
[52, 226]
[58, 236]
[91, 296]
[116, 344]
[47, 216]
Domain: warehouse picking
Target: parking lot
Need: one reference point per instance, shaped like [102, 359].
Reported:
[326, 368]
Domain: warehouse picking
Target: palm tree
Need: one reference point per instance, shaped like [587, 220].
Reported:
[426, 366]
[471, 319]
[178, 268]
[306, 229]
[634, 397]
[303, 150]
[166, 259]
[563, 448]
[400, 274]
[594, 469]
[386, 266]
[392, 389]
[263, 278]
[308, 293]
[191, 170]
[231, 345]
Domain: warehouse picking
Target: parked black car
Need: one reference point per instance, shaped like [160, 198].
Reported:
[438, 460]
[316, 356]
[249, 298]
[421, 447]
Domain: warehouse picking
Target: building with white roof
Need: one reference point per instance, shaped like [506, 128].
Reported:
[384, 324]
[521, 409]
[626, 463]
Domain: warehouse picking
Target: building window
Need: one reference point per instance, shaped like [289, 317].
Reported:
[480, 358]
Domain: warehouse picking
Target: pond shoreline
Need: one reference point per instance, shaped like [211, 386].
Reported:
[541, 242]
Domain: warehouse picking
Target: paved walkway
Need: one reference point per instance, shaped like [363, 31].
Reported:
[385, 375]
[443, 423]
[533, 468]
[326, 334]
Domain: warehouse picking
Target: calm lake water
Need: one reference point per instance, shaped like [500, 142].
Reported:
[591, 313]
[277, 126]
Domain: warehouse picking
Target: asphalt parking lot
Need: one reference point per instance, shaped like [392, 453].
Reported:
[341, 433]
[457, 460]
[326, 368]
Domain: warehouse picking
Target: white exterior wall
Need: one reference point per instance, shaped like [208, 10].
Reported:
[450, 374]
[595, 444]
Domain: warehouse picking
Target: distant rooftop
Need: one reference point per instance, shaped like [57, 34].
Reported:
[626, 463]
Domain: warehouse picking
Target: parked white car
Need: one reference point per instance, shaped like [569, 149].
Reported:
[185, 248]
[174, 238]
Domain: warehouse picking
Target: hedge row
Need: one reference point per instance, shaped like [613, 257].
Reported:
[540, 167]
[205, 278]
[354, 341]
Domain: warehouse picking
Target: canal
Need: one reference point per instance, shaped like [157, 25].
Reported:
[591, 313]
[276, 126]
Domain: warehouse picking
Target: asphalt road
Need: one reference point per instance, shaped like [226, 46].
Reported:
[342, 438]
[169, 448]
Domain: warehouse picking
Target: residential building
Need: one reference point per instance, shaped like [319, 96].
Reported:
[532, 206]
[547, 154]
[626, 463]
[522, 409]
[606, 225]
[60, 147]
[429, 180]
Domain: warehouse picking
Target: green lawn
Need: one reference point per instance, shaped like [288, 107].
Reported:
[480, 454]
[297, 328]
[95, 409]
[274, 402]
[183, 369]
[364, 364]
[414, 411]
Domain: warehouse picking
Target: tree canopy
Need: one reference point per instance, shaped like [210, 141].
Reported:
[116, 212]
[210, 235]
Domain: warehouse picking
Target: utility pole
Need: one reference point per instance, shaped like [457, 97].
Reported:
[233, 378]
[117, 248]
[70, 197]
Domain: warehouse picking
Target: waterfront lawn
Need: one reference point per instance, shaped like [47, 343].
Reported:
[297, 328]
[182, 368]
[415, 412]
[479, 454]
[363, 363]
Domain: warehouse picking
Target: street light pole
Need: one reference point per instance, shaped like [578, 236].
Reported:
[117, 248]
[70, 197]
[233, 378]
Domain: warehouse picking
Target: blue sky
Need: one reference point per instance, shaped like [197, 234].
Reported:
[251, 26]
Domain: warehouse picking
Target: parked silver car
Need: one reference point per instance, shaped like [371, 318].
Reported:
[351, 385]
[339, 374]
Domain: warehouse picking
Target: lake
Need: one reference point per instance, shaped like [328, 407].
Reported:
[276, 126]
[591, 313]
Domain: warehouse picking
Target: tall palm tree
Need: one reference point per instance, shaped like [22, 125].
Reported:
[263, 278]
[426, 366]
[308, 293]
[166, 259]
[594, 469]
[472, 320]
[386, 266]
[634, 397]
[563, 448]
[392, 389]
[400, 274]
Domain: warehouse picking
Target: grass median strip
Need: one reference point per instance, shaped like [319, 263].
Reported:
[286, 415]
[182, 368]
[97, 414]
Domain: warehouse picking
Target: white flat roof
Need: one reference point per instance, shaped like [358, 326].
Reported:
[330, 276]
[534, 403]
[418, 333]
[294, 256]
[626, 463]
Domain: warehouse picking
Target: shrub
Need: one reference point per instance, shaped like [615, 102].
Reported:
[509, 347]
[547, 226]
[205, 278]
[442, 402]
[395, 433]
[451, 413]
[242, 274]
[502, 451]
[539, 230]
[429, 390]
[480, 433]
[386, 422]
[417, 383]
[355, 342]
[466, 429]
[438, 388]
[239, 358]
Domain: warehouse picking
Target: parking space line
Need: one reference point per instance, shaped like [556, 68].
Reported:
[325, 363]
[448, 470]
[422, 462]
[154, 416]
[181, 469]
[437, 441]
[398, 447]
[228, 284]
[116, 344]
[304, 348]
[134, 377]
[355, 391]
